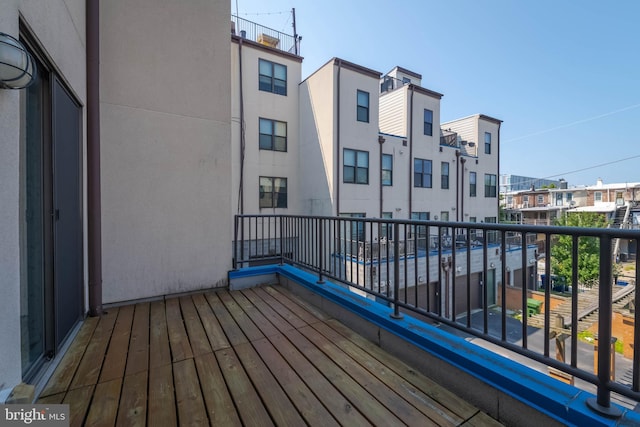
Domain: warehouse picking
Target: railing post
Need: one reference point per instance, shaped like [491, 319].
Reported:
[320, 250]
[281, 240]
[602, 403]
[235, 243]
[396, 271]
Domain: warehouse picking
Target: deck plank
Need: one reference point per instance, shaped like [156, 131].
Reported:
[159, 348]
[409, 393]
[104, 406]
[63, 374]
[323, 389]
[138, 357]
[481, 420]
[229, 326]
[89, 369]
[279, 322]
[281, 309]
[446, 398]
[282, 410]
[357, 394]
[195, 330]
[378, 389]
[250, 330]
[133, 401]
[263, 323]
[250, 407]
[303, 309]
[52, 399]
[78, 400]
[217, 338]
[191, 409]
[309, 406]
[180, 346]
[116, 358]
[162, 403]
[219, 404]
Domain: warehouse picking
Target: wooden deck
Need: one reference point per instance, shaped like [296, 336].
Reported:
[255, 357]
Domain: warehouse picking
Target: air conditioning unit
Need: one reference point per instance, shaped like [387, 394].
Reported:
[471, 144]
[267, 40]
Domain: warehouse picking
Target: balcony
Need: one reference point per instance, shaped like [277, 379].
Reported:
[264, 35]
[310, 332]
[458, 288]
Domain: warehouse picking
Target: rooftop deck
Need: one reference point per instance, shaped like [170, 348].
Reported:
[258, 356]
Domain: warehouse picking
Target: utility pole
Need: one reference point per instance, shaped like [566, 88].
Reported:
[295, 34]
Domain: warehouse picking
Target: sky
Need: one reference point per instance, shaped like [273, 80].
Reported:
[564, 76]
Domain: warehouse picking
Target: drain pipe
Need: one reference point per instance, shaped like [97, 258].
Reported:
[338, 157]
[242, 135]
[462, 161]
[94, 208]
[380, 142]
[410, 168]
[458, 186]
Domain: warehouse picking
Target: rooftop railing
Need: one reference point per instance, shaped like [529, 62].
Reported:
[420, 268]
[263, 35]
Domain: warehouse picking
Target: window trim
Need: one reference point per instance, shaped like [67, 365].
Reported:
[428, 125]
[422, 174]
[473, 184]
[272, 78]
[444, 178]
[275, 199]
[389, 170]
[364, 108]
[272, 135]
[355, 166]
[491, 188]
[487, 143]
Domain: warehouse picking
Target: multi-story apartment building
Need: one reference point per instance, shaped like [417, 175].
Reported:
[339, 148]
[265, 80]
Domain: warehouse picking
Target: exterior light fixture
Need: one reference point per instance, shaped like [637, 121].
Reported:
[17, 68]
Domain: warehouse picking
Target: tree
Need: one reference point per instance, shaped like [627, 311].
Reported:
[588, 249]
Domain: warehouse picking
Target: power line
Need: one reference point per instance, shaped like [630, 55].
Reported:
[595, 166]
[264, 13]
[581, 170]
[577, 122]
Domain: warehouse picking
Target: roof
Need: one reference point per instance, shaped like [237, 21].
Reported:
[600, 207]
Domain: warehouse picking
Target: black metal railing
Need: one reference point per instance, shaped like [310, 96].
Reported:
[263, 35]
[478, 278]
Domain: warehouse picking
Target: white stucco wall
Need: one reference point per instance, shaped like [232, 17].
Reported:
[362, 136]
[317, 141]
[166, 160]
[261, 104]
[59, 29]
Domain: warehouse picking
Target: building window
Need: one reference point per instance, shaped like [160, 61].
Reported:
[428, 122]
[387, 169]
[558, 199]
[272, 77]
[406, 80]
[490, 182]
[569, 197]
[540, 200]
[444, 176]
[422, 173]
[273, 192]
[363, 106]
[597, 196]
[421, 230]
[386, 230]
[354, 229]
[273, 135]
[472, 184]
[487, 143]
[356, 166]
